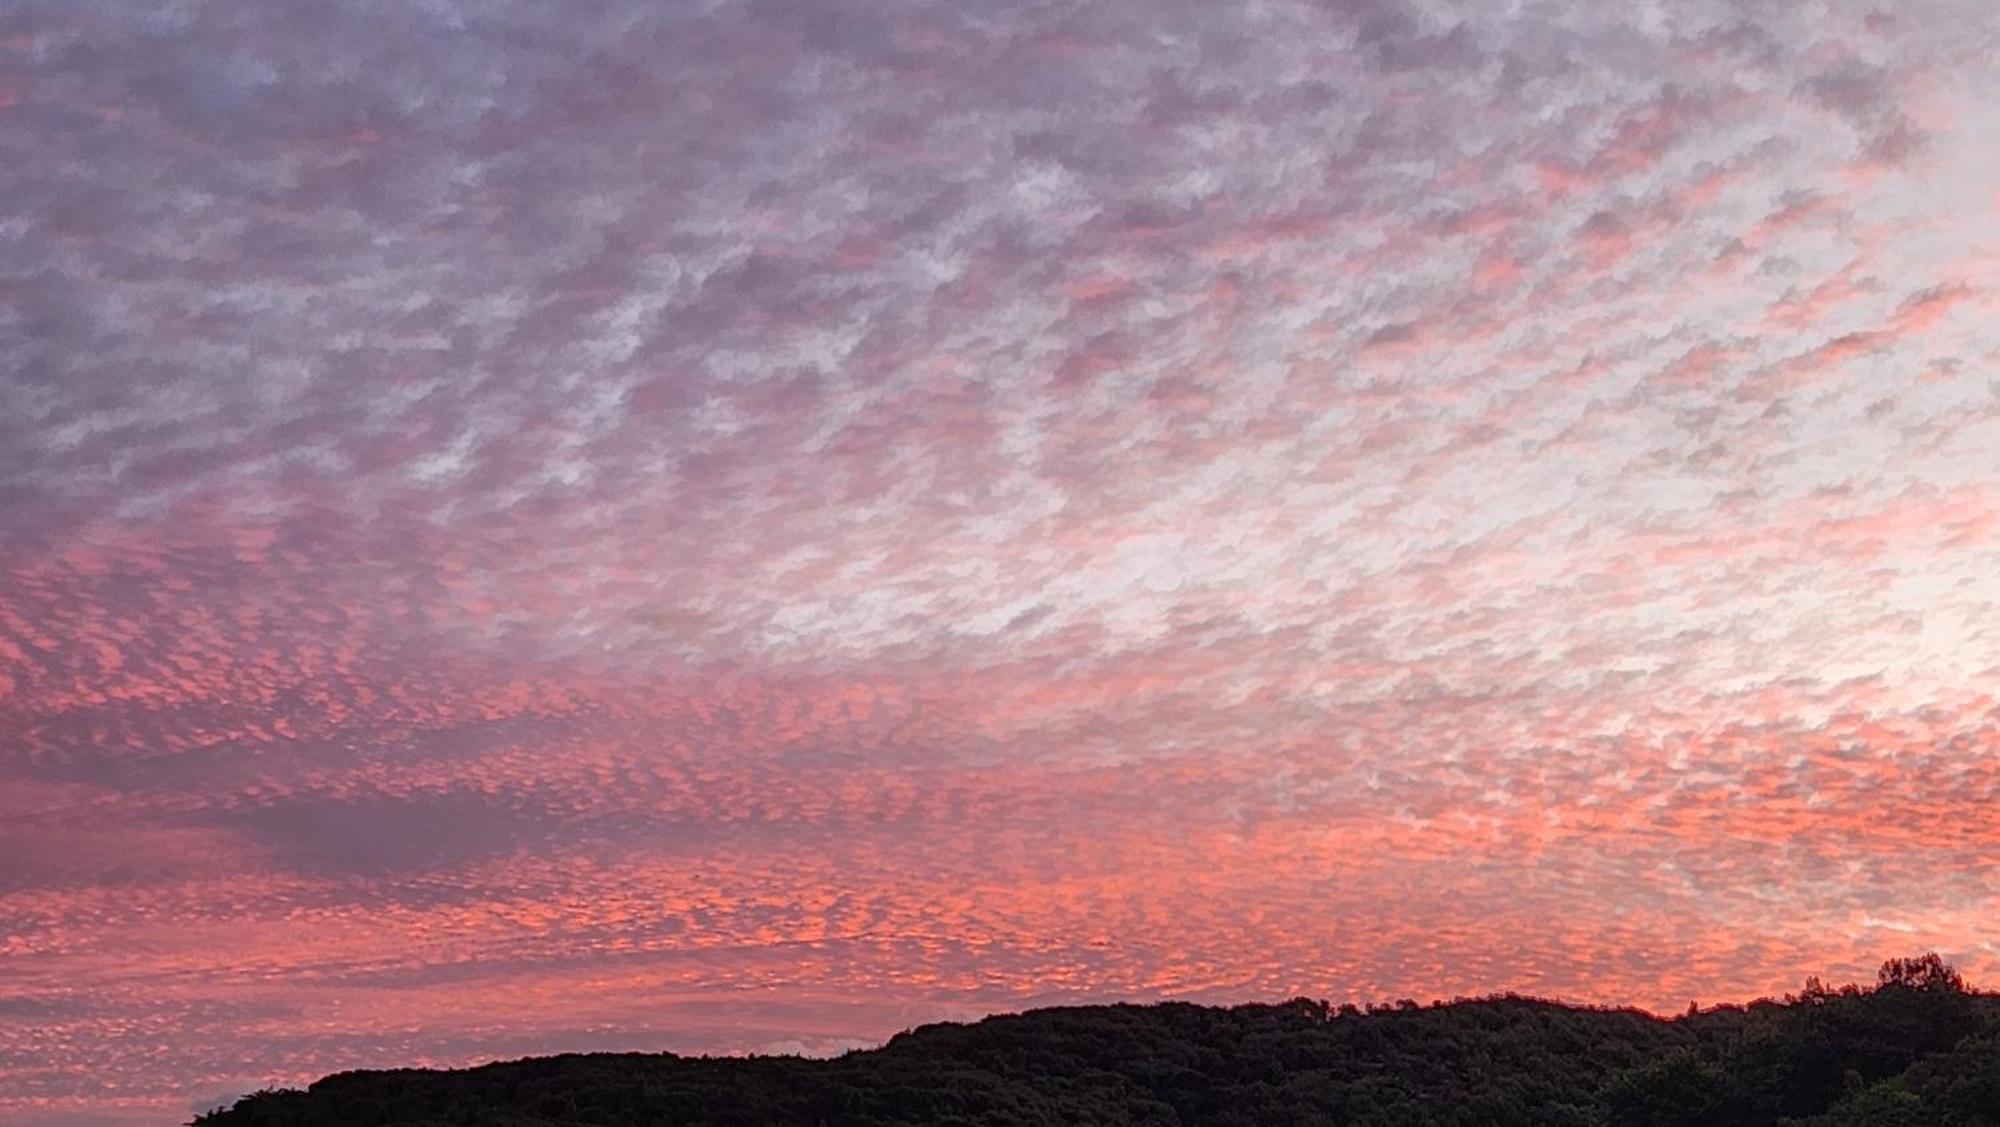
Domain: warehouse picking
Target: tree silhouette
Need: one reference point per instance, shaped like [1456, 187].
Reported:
[1918, 1048]
[1925, 972]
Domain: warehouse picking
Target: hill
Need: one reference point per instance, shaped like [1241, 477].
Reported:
[1918, 1048]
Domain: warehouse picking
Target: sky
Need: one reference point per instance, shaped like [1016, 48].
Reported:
[747, 526]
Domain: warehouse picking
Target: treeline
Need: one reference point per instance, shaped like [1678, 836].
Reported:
[1916, 1049]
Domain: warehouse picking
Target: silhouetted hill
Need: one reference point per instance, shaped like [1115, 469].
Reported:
[1917, 1049]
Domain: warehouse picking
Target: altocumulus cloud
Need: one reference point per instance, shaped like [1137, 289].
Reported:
[708, 527]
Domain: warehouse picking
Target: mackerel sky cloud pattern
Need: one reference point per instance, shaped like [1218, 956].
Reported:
[747, 526]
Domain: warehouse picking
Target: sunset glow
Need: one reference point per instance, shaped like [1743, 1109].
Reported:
[750, 526]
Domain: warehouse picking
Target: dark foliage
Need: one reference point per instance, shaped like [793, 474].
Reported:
[1917, 1049]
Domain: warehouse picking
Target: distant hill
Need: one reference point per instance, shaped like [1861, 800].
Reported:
[1916, 1050]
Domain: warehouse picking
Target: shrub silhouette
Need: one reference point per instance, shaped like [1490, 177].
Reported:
[1917, 1048]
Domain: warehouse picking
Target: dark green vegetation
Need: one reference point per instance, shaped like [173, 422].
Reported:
[1917, 1049]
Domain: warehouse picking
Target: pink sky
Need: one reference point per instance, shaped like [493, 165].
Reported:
[530, 527]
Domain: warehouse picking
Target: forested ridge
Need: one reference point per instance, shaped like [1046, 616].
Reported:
[1915, 1049]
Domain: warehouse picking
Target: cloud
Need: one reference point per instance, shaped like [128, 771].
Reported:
[776, 523]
